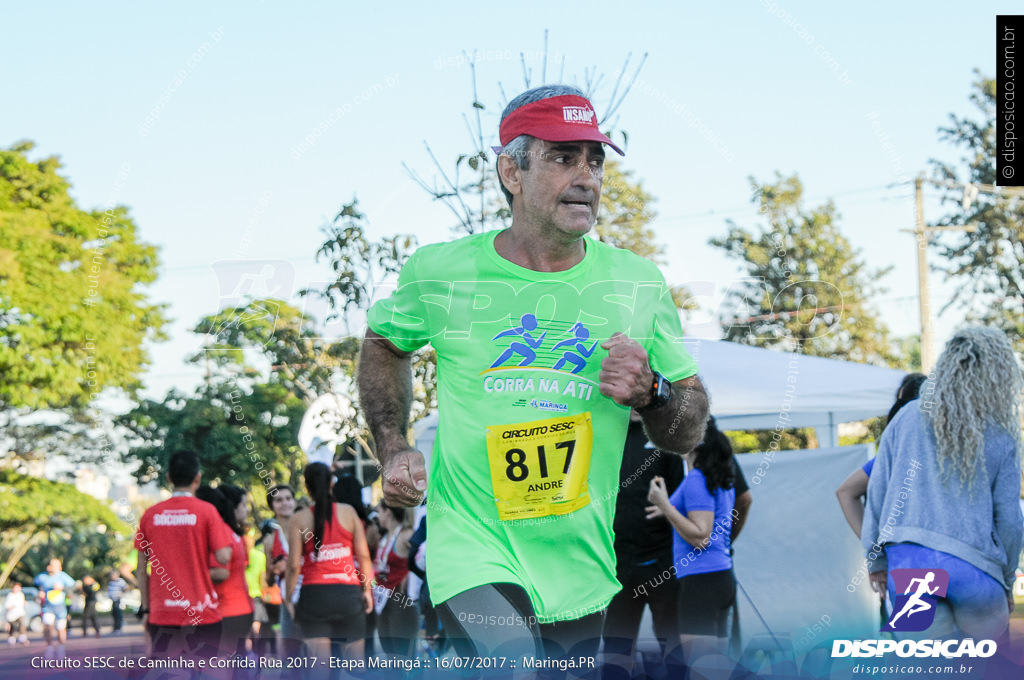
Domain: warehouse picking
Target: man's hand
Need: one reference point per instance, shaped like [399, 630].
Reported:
[626, 375]
[404, 479]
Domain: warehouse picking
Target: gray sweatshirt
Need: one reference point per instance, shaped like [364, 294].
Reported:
[910, 502]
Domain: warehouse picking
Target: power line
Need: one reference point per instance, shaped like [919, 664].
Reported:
[230, 263]
[719, 213]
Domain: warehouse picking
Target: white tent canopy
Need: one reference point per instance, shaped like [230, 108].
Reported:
[753, 388]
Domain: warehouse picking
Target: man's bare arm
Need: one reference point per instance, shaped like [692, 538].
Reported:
[385, 394]
[678, 426]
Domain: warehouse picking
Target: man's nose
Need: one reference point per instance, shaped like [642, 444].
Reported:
[588, 177]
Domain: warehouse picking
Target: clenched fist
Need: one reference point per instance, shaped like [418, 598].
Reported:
[626, 375]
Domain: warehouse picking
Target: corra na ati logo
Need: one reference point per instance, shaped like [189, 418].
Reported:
[571, 352]
[914, 610]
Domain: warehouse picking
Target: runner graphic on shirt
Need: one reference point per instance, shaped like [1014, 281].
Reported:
[578, 343]
[528, 324]
[915, 604]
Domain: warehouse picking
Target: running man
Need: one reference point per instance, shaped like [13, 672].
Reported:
[524, 349]
[915, 604]
[514, 534]
[54, 586]
[180, 540]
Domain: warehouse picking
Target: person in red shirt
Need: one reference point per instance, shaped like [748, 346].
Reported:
[235, 605]
[176, 540]
[336, 592]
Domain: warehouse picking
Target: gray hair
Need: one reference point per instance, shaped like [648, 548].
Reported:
[976, 382]
[519, 148]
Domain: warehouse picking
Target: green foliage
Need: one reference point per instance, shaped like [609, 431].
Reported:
[358, 265]
[82, 550]
[31, 506]
[247, 437]
[872, 431]
[626, 213]
[988, 264]
[270, 338]
[74, 314]
[759, 441]
[908, 350]
[808, 289]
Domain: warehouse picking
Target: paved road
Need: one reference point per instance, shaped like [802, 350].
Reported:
[17, 662]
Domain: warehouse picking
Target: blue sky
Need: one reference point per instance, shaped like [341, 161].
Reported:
[216, 176]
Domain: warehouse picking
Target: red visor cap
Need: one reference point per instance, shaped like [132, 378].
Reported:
[567, 118]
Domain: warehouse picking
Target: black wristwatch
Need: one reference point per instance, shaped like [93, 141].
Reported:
[661, 394]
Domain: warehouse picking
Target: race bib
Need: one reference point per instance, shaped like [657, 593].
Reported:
[55, 597]
[381, 595]
[540, 468]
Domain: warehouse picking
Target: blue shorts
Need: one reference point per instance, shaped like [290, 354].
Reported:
[975, 604]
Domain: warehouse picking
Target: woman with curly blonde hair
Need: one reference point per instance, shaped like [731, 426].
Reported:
[945, 492]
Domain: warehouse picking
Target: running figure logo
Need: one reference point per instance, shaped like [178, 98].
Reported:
[914, 610]
[527, 348]
[578, 343]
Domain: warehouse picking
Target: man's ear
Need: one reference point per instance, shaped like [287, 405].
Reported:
[197, 481]
[510, 174]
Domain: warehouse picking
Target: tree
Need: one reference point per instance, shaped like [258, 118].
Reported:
[267, 362]
[989, 263]
[74, 314]
[807, 289]
[359, 264]
[246, 436]
[272, 340]
[88, 437]
[30, 507]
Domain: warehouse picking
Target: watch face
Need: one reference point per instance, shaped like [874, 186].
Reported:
[661, 393]
[664, 391]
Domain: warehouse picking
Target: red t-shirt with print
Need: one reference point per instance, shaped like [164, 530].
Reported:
[233, 593]
[179, 536]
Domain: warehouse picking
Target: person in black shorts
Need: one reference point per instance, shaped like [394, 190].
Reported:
[701, 511]
[328, 547]
[89, 590]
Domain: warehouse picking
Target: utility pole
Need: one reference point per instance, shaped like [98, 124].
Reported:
[923, 297]
[922, 233]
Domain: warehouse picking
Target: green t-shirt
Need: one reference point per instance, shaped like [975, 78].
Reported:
[515, 346]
